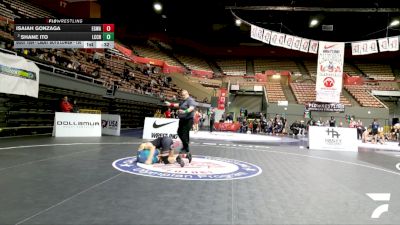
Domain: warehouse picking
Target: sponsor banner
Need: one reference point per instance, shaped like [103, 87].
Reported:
[383, 44]
[394, 43]
[18, 76]
[77, 125]
[305, 43]
[296, 43]
[313, 47]
[202, 168]
[110, 124]
[333, 138]
[325, 107]
[266, 36]
[329, 71]
[288, 41]
[160, 127]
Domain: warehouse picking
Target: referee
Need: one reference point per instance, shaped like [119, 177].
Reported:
[185, 114]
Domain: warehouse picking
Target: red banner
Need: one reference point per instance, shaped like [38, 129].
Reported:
[227, 126]
[123, 49]
[221, 99]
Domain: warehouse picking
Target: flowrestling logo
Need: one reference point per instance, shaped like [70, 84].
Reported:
[201, 168]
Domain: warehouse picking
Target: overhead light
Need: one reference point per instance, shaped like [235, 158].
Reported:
[394, 23]
[238, 22]
[313, 22]
[157, 6]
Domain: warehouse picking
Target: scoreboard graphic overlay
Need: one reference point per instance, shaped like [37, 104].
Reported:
[63, 33]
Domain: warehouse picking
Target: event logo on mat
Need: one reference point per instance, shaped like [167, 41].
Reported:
[201, 168]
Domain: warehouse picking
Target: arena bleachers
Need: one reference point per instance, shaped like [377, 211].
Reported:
[305, 92]
[193, 62]
[311, 66]
[7, 13]
[233, 67]
[261, 65]
[350, 70]
[275, 92]
[28, 10]
[154, 53]
[377, 71]
[363, 96]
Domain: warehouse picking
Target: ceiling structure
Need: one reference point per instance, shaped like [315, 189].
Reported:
[213, 22]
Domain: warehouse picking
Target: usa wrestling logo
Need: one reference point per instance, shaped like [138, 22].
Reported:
[201, 168]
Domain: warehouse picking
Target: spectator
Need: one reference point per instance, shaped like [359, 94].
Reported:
[332, 122]
[374, 130]
[96, 73]
[65, 105]
[75, 107]
[167, 113]
[212, 119]
[352, 123]
[360, 129]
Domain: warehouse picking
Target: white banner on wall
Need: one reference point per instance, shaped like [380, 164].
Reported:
[394, 43]
[304, 45]
[296, 43]
[333, 138]
[274, 38]
[383, 45]
[372, 47]
[160, 127]
[281, 40]
[329, 71]
[110, 124]
[18, 76]
[266, 36]
[288, 41]
[311, 46]
[77, 125]
[355, 48]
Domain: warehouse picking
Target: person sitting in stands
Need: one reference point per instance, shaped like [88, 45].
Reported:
[96, 73]
[167, 113]
[65, 105]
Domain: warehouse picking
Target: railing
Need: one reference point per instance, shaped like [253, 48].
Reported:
[7, 51]
[68, 73]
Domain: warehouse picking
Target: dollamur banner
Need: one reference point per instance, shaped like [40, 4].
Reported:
[18, 76]
[329, 71]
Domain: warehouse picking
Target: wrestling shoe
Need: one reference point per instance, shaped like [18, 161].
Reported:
[180, 161]
[189, 156]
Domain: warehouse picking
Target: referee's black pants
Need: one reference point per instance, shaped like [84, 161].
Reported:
[185, 125]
